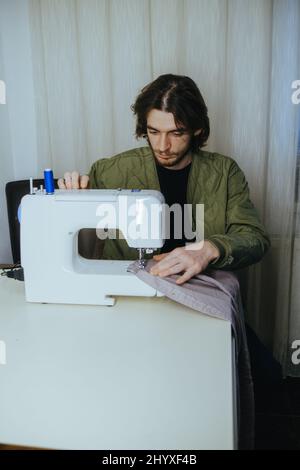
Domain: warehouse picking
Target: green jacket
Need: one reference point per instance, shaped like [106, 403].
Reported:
[230, 220]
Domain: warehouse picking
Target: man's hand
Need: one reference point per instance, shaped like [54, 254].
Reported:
[190, 260]
[73, 180]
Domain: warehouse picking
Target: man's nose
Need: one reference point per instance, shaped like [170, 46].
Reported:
[164, 143]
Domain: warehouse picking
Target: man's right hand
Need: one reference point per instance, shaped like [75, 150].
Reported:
[73, 180]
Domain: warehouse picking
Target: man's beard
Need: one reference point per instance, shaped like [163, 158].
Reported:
[169, 161]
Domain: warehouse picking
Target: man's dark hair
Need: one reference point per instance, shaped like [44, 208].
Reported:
[178, 95]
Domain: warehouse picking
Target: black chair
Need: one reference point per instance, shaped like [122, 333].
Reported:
[15, 190]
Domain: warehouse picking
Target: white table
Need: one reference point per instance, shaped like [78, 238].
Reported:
[144, 374]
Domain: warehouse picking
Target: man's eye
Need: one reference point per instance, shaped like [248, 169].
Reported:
[152, 132]
[178, 134]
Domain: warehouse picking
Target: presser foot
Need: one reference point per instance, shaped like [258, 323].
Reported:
[142, 261]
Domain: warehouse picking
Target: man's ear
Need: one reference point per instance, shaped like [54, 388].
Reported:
[198, 132]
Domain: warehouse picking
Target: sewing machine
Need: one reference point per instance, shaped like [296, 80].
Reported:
[54, 271]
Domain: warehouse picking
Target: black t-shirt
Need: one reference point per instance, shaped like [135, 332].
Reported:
[173, 185]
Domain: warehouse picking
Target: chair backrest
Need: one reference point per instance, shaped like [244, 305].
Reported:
[15, 190]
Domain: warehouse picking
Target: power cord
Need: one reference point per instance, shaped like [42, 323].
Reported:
[14, 272]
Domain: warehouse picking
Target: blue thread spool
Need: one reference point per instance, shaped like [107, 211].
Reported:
[49, 181]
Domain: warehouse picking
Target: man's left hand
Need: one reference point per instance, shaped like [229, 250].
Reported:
[189, 260]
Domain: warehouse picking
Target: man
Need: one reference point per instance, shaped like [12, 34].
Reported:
[172, 115]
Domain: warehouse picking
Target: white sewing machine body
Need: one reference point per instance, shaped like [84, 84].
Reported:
[54, 271]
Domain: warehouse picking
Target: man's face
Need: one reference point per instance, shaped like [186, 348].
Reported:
[170, 144]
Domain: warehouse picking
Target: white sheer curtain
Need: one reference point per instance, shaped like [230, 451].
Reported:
[86, 61]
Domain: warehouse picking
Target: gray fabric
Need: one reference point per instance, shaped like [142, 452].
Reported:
[215, 293]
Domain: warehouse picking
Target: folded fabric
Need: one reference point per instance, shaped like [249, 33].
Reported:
[215, 293]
